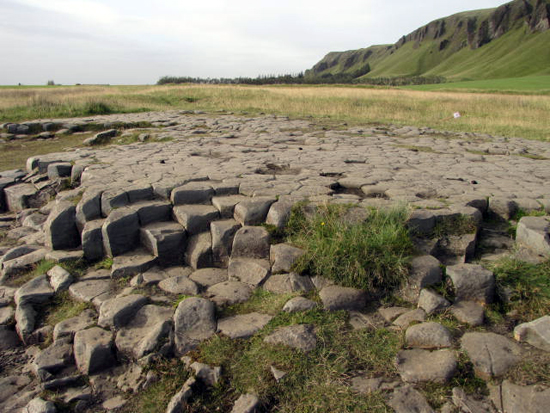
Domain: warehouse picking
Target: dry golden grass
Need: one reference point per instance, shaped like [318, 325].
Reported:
[498, 114]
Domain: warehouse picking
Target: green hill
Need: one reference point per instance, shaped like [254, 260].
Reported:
[509, 41]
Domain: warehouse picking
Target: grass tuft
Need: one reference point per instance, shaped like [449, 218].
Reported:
[523, 288]
[370, 255]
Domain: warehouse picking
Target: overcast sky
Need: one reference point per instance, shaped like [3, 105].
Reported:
[138, 41]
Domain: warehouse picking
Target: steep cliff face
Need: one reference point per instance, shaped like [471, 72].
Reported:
[424, 50]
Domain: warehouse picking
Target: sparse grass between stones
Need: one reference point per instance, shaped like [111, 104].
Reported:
[370, 255]
[317, 382]
[261, 301]
[62, 307]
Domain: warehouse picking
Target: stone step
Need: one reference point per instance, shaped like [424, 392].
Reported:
[166, 241]
[195, 218]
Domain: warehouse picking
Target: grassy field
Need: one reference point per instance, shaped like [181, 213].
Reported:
[498, 114]
[536, 85]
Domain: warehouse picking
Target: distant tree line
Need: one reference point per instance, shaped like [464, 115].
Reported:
[309, 79]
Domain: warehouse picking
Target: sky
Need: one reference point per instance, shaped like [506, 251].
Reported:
[138, 41]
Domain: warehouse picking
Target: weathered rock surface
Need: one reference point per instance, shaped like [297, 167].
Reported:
[299, 304]
[69, 327]
[432, 302]
[536, 333]
[407, 400]
[229, 292]
[146, 332]
[179, 400]
[246, 403]
[60, 227]
[249, 271]
[468, 312]
[301, 337]
[288, 283]
[336, 298]
[428, 336]
[179, 285]
[194, 321]
[425, 271]
[253, 211]
[417, 366]
[207, 277]
[120, 231]
[533, 233]
[93, 350]
[510, 397]
[117, 312]
[472, 282]
[60, 279]
[492, 354]
[251, 242]
[283, 257]
[223, 233]
[243, 326]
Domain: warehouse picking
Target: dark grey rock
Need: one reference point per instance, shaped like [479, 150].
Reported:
[179, 400]
[536, 333]
[229, 292]
[226, 204]
[297, 304]
[60, 278]
[192, 193]
[510, 397]
[132, 263]
[468, 312]
[35, 291]
[93, 350]
[246, 403]
[418, 366]
[283, 257]
[301, 337]
[421, 222]
[428, 336]
[8, 338]
[153, 211]
[111, 199]
[180, 285]
[491, 354]
[472, 283]
[409, 317]
[288, 283]
[195, 218]
[206, 277]
[59, 170]
[208, 375]
[194, 321]
[253, 211]
[146, 333]
[60, 227]
[166, 241]
[117, 312]
[279, 214]
[336, 298]
[532, 233]
[53, 358]
[18, 197]
[244, 325]
[432, 302]
[408, 400]
[223, 233]
[69, 327]
[425, 271]
[120, 232]
[251, 242]
[250, 271]
[89, 207]
[92, 240]
[199, 251]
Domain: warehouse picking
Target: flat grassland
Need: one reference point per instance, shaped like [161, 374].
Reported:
[510, 115]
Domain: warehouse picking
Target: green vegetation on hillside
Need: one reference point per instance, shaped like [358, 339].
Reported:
[509, 41]
[536, 85]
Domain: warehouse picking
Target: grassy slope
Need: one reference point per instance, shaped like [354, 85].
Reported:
[518, 53]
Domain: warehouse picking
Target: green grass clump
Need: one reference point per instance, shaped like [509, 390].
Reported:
[523, 288]
[105, 264]
[368, 255]
[41, 267]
